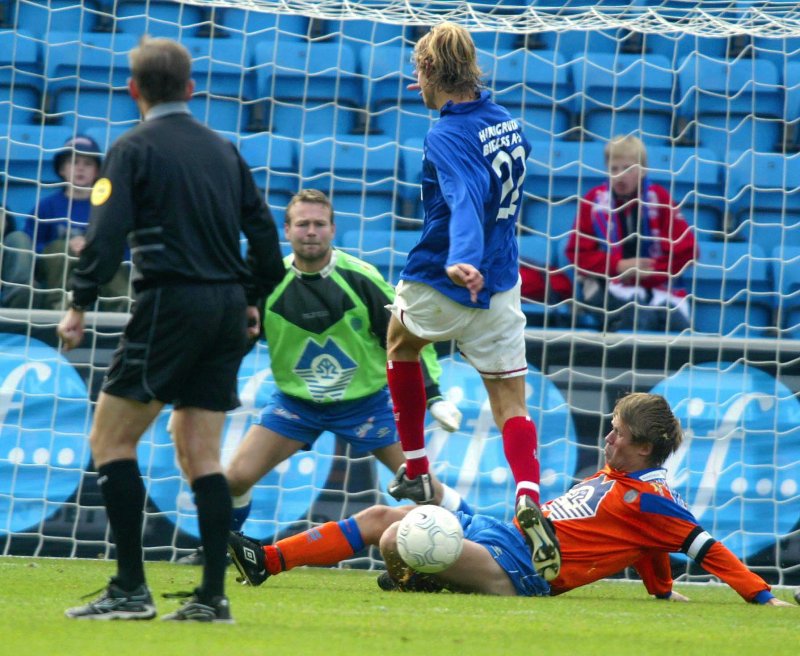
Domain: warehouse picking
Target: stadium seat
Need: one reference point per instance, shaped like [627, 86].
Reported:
[781, 52]
[20, 78]
[258, 25]
[555, 219]
[359, 174]
[367, 33]
[785, 262]
[763, 192]
[692, 175]
[160, 18]
[273, 162]
[545, 253]
[624, 94]
[308, 87]
[44, 16]
[574, 44]
[731, 290]
[675, 46]
[387, 250]
[534, 86]
[750, 117]
[224, 87]
[791, 83]
[87, 82]
[394, 110]
[564, 169]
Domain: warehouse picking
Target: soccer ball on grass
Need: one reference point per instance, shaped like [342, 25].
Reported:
[429, 539]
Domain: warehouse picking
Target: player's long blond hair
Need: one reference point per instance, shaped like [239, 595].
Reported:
[447, 57]
[651, 421]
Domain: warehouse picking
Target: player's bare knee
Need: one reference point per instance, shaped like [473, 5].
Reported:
[373, 522]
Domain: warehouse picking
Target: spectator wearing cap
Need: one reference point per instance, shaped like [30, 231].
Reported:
[60, 223]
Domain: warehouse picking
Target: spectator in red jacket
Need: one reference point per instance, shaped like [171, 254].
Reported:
[630, 246]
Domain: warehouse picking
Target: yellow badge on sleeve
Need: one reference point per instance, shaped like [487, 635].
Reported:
[101, 191]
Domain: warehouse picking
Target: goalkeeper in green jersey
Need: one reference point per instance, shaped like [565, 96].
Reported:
[325, 325]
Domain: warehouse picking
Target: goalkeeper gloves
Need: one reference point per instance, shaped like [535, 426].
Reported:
[447, 415]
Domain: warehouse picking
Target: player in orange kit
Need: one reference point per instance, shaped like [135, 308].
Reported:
[625, 515]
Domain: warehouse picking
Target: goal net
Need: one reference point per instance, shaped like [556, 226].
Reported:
[314, 95]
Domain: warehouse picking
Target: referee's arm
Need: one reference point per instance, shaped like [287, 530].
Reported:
[263, 250]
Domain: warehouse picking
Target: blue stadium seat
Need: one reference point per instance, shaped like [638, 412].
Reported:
[625, 94]
[259, 25]
[309, 87]
[564, 169]
[87, 82]
[692, 175]
[555, 219]
[544, 253]
[781, 52]
[358, 173]
[675, 46]
[393, 109]
[764, 195]
[224, 85]
[160, 18]
[574, 44]
[791, 82]
[387, 250]
[409, 180]
[786, 279]
[273, 162]
[751, 114]
[732, 292]
[20, 78]
[106, 135]
[534, 86]
[369, 33]
[44, 16]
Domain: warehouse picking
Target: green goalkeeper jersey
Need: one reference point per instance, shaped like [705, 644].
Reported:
[326, 332]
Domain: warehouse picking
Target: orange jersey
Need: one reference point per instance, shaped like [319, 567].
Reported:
[615, 519]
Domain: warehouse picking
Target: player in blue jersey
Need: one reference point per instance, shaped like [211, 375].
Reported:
[461, 281]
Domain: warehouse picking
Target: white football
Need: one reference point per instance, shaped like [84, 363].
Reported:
[429, 539]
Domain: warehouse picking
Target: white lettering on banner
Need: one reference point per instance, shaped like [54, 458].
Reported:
[12, 382]
[727, 430]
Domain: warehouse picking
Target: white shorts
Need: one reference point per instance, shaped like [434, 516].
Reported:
[492, 340]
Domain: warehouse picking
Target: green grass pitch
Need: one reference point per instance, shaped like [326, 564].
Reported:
[330, 612]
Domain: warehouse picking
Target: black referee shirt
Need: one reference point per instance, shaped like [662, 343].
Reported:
[181, 194]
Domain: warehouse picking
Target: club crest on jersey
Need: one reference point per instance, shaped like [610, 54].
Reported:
[582, 500]
[326, 370]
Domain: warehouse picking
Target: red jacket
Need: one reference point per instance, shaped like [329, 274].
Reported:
[595, 246]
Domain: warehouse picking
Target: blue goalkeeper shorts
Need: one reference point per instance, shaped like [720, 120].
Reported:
[508, 547]
[366, 424]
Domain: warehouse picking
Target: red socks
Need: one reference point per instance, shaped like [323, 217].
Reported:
[407, 388]
[519, 445]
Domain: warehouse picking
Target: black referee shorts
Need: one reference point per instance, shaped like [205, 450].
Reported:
[183, 345]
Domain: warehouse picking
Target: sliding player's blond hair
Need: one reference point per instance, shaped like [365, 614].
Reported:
[447, 57]
[651, 421]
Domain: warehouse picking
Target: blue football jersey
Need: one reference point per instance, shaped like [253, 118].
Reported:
[473, 170]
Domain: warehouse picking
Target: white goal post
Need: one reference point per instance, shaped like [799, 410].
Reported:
[314, 94]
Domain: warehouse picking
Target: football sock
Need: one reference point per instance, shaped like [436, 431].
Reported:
[519, 445]
[121, 485]
[240, 515]
[453, 501]
[213, 500]
[407, 388]
[324, 545]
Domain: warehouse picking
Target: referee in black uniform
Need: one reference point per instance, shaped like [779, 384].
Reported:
[181, 195]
